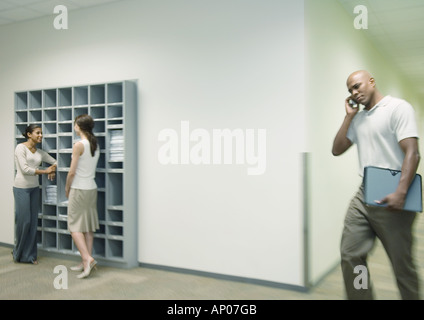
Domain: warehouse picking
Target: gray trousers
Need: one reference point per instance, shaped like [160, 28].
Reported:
[394, 229]
[27, 204]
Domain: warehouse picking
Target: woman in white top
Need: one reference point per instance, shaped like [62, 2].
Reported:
[81, 189]
[26, 191]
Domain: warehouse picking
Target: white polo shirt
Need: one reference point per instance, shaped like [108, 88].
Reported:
[377, 133]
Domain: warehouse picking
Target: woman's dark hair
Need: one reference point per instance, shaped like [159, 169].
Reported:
[30, 129]
[86, 124]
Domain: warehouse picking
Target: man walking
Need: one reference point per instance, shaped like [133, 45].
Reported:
[386, 136]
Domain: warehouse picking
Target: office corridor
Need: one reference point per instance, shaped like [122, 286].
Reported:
[24, 281]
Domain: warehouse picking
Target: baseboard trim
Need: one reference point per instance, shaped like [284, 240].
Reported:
[7, 245]
[220, 276]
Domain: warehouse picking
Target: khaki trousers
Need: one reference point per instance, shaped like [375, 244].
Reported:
[394, 229]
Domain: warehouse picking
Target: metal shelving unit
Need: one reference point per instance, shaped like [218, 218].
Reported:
[113, 107]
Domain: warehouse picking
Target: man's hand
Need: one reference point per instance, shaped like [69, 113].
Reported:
[395, 201]
[349, 109]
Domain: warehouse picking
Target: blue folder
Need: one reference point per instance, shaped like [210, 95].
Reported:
[379, 182]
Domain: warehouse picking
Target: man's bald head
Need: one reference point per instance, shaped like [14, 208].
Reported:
[361, 85]
[359, 75]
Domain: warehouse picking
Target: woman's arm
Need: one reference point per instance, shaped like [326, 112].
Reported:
[49, 159]
[77, 151]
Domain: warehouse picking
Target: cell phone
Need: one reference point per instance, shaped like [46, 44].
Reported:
[353, 103]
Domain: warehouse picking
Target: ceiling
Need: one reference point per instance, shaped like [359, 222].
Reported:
[396, 27]
[19, 10]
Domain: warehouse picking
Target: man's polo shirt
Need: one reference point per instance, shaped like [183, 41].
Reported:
[377, 133]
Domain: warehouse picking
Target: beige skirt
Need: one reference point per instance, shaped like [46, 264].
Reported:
[82, 211]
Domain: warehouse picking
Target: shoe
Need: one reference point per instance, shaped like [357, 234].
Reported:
[78, 268]
[87, 272]
[13, 257]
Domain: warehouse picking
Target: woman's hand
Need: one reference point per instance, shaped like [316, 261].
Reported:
[51, 169]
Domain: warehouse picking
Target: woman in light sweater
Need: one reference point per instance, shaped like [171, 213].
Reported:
[26, 191]
[81, 189]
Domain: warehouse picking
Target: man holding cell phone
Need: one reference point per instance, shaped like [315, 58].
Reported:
[386, 136]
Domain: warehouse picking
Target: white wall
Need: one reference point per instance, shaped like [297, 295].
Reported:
[217, 64]
[334, 50]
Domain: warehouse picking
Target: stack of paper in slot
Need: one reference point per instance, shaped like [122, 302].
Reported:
[116, 147]
[51, 194]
